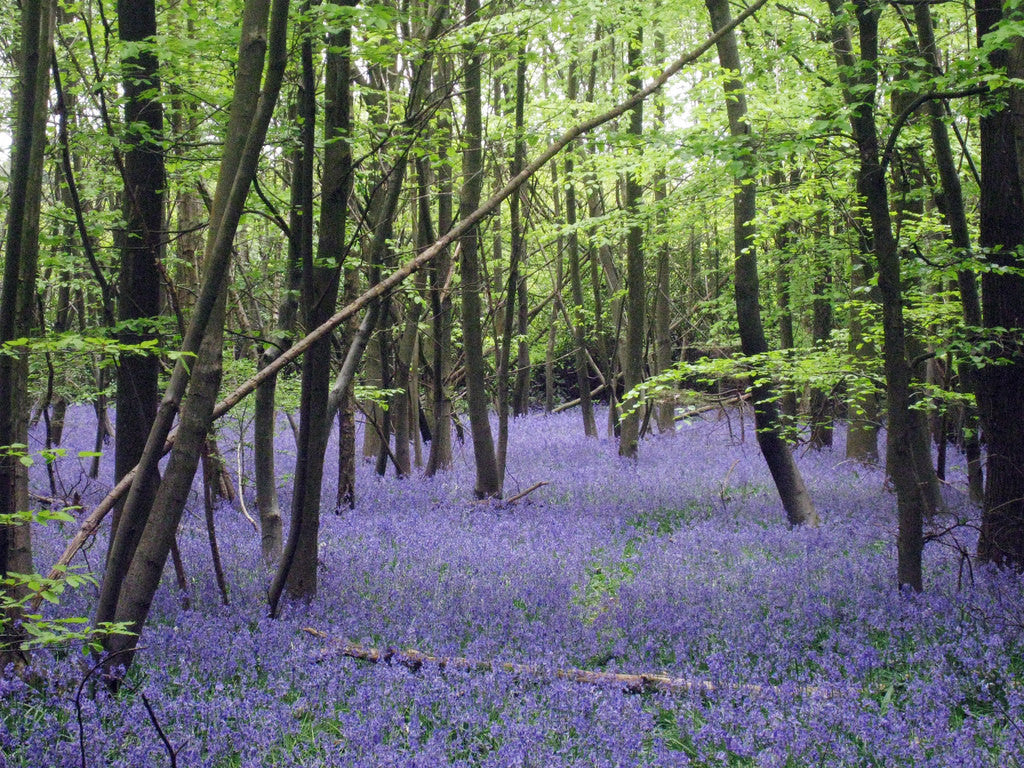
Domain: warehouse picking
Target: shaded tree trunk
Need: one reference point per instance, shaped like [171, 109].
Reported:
[17, 294]
[265, 405]
[138, 296]
[440, 457]
[1000, 387]
[904, 464]
[951, 205]
[579, 326]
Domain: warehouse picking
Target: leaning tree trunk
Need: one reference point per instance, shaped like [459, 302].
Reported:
[146, 532]
[794, 495]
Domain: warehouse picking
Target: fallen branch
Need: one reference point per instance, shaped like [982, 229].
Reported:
[527, 492]
[713, 406]
[573, 403]
[414, 660]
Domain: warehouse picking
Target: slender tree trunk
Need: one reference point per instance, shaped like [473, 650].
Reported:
[783, 288]
[579, 326]
[517, 223]
[320, 278]
[794, 495]
[440, 457]
[662, 328]
[903, 462]
[513, 295]
[138, 297]
[488, 478]
[951, 204]
[636, 286]
[265, 406]
[864, 408]
[821, 329]
[17, 295]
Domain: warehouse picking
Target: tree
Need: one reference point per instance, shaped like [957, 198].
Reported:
[636, 284]
[138, 295]
[794, 495]
[488, 479]
[1000, 382]
[17, 296]
[908, 469]
[150, 517]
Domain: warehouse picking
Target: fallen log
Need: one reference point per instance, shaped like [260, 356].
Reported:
[412, 659]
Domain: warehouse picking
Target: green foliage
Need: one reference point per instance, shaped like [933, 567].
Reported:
[18, 591]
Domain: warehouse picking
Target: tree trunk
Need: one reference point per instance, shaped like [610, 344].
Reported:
[521, 390]
[951, 205]
[138, 297]
[17, 295]
[265, 406]
[488, 479]
[666, 408]
[821, 329]
[579, 326]
[440, 457]
[1000, 387]
[904, 464]
[320, 278]
[636, 286]
[794, 495]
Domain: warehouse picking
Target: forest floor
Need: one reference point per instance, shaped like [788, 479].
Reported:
[795, 646]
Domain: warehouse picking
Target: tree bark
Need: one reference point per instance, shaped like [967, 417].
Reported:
[579, 327]
[904, 465]
[951, 205]
[320, 279]
[17, 295]
[440, 457]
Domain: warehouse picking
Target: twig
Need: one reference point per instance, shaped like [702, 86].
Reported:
[172, 753]
[724, 492]
[527, 492]
[78, 696]
[241, 494]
